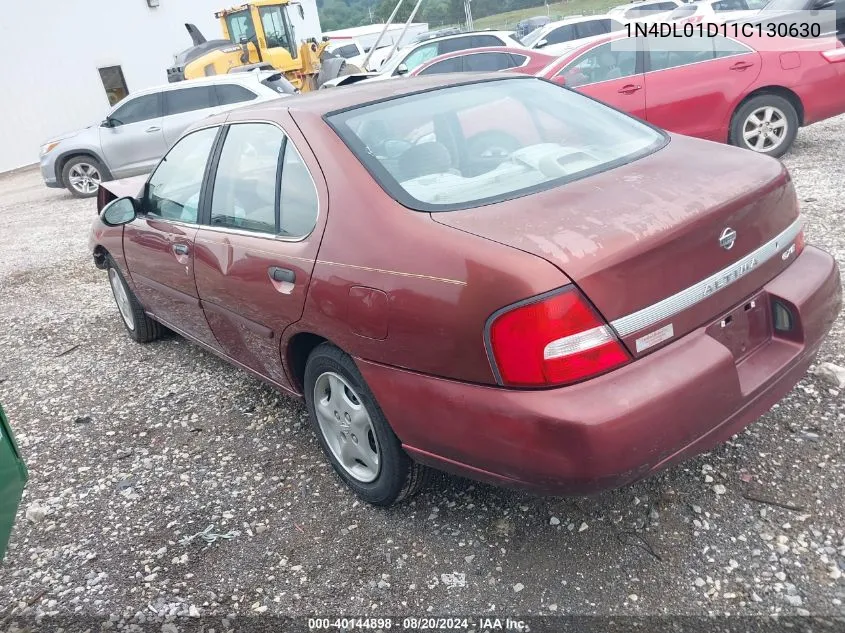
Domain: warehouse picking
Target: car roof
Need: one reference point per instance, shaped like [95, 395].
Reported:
[238, 78]
[320, 102]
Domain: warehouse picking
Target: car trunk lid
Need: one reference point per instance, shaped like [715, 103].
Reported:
[647, 242]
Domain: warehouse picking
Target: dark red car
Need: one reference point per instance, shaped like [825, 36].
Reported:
[489, 59]
[490, 275]
[753, 93]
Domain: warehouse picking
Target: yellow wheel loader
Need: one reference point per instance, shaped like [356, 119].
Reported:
[261, 34]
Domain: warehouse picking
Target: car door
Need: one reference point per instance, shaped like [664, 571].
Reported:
[256, 248]
[184, 107]
[610, 72]
[131, 137]
[693, 83]
[159, 244]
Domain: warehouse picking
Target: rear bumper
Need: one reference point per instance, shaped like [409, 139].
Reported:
[679, 401]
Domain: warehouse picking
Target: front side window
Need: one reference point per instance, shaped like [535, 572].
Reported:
[275, 26]
[682, 12]
[561, 34]
[244, 194]
[189, 99]
[228, 94]
[613, 60]
[141, 108]
[593, 28]
[487, 62]
[479, 41]
[347, 51]
[451, 65]
[241, 28]
[456, 44]
[469, 145]
[173, 190]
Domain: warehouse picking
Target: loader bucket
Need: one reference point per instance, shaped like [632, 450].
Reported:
[13, 477]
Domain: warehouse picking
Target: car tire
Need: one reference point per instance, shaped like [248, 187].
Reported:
[82, 176]
[354, 433]
[141, 328]
[761, 119]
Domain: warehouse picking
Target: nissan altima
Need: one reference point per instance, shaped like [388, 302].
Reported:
[489, 275]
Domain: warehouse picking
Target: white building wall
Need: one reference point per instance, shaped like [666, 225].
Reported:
[51, 52]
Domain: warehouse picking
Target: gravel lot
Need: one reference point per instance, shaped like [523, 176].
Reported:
[132, 448]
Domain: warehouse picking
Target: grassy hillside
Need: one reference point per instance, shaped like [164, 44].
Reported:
[556, 10]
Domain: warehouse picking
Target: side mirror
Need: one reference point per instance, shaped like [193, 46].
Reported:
[541, 43]
[401, 69]
[560, 80]
[107, 122]
[119, 212]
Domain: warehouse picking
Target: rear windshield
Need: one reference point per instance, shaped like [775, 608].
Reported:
[468, 145]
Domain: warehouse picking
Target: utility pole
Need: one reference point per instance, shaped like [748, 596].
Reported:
[468, 14]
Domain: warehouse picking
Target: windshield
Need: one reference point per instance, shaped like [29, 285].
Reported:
[534, 36]
[469, 145]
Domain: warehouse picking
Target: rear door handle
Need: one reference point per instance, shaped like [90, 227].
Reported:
[741, 65]
[281, 274]
[152, 129]
[181, 249]
[629, 89]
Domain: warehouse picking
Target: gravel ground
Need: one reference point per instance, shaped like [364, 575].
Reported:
[132, 448]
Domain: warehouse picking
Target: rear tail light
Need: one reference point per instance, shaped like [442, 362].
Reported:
[835, 55]
[799, 242]
[552, 340]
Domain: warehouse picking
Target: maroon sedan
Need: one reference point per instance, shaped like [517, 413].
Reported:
[489, 59]
[753, 93]
[497, 277]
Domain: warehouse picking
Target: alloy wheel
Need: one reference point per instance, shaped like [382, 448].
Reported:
[84, 178]
[122, 299]
[347, 427]
[765, 129]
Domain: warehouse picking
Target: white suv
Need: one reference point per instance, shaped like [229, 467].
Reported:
[137, 132]
[556, 37]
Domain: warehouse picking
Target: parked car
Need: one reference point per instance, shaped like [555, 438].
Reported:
[488, 59]
[556, 37]
[651, 10]
[490, 275]
[136, 132]
[407, 59]
[829, 14]
[13, 476]
[529, 25]
[741, 92]
[717, 10]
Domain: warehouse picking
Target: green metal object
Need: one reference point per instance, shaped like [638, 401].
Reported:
[13, 477]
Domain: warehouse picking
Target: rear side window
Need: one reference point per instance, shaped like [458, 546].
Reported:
[189, 99]
[682, 12]
[479, 41]
[244, 194]
[297, 196]
[233, 93]
[465, 146]
[593, 28]
[451, 65]
[487, 62]
[141, 108]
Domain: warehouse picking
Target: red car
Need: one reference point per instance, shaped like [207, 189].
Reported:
[489, 59]
[751, 93]
[490, 275]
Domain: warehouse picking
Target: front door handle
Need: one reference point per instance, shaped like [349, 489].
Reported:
[181, 249]
[152, 129]
[281, 274]
[741, 65]
[629, 89]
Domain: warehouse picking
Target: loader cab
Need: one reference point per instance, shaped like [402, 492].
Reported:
[264, 29]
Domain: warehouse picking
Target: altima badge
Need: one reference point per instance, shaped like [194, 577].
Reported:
[727, 238]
